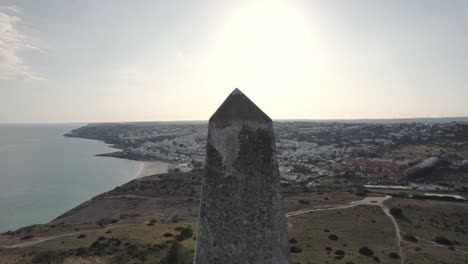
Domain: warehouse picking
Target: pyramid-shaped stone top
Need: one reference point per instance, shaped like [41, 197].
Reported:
[238, 107]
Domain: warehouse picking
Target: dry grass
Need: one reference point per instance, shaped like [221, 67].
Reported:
[428, 219]
[355, 227]
[308, 200]
[70, 260]
[427, 150]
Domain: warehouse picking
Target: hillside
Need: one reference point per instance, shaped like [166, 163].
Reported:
[150, 219]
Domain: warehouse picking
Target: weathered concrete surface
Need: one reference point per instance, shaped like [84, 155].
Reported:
[241, 212]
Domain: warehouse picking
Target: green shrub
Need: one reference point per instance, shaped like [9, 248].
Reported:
[26, 237]
[333, 237]
[396, 211]
[292, 241]
[366, 251]
[443, 241]
[410, 237]
[394, 255]
[187, 232]
[295, 249]
[360, 193]
[47, 257]
[340, 252]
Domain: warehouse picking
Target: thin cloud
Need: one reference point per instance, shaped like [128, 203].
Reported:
[12, 43]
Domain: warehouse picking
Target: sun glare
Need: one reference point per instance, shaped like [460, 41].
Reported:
[265, 39]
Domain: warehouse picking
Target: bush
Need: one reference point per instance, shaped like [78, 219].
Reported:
[292, 241]
[340, 252]
[168, 235]
[333, 237]
[81, 252]
[410, 237]
[394, 255]
[187, 232]
[360, 193]
[81, 236]
[443, 241]
[366, 251]
[26, 237]
[47, 257]
[376, 259]
[295, 249]
[396, 211]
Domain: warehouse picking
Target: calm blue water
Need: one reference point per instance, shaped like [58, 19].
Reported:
[43, 174]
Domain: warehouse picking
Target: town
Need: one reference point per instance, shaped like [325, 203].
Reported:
[388, 154]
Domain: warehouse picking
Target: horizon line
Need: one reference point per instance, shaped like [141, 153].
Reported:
[206, 120]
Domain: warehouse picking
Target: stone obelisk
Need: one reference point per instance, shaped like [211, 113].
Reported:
[241, 212]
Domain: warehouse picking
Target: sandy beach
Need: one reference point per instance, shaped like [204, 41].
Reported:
[153, 167]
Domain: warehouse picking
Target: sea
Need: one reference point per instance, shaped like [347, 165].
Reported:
[44, 174]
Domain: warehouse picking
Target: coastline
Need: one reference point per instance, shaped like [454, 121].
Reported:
[149, 168]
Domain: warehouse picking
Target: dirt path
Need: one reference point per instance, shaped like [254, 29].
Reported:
[366, 201]
[375, 201]
[37, 240]
[34, 241]
[397, 231]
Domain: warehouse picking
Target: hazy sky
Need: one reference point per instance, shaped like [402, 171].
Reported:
[88, 60]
